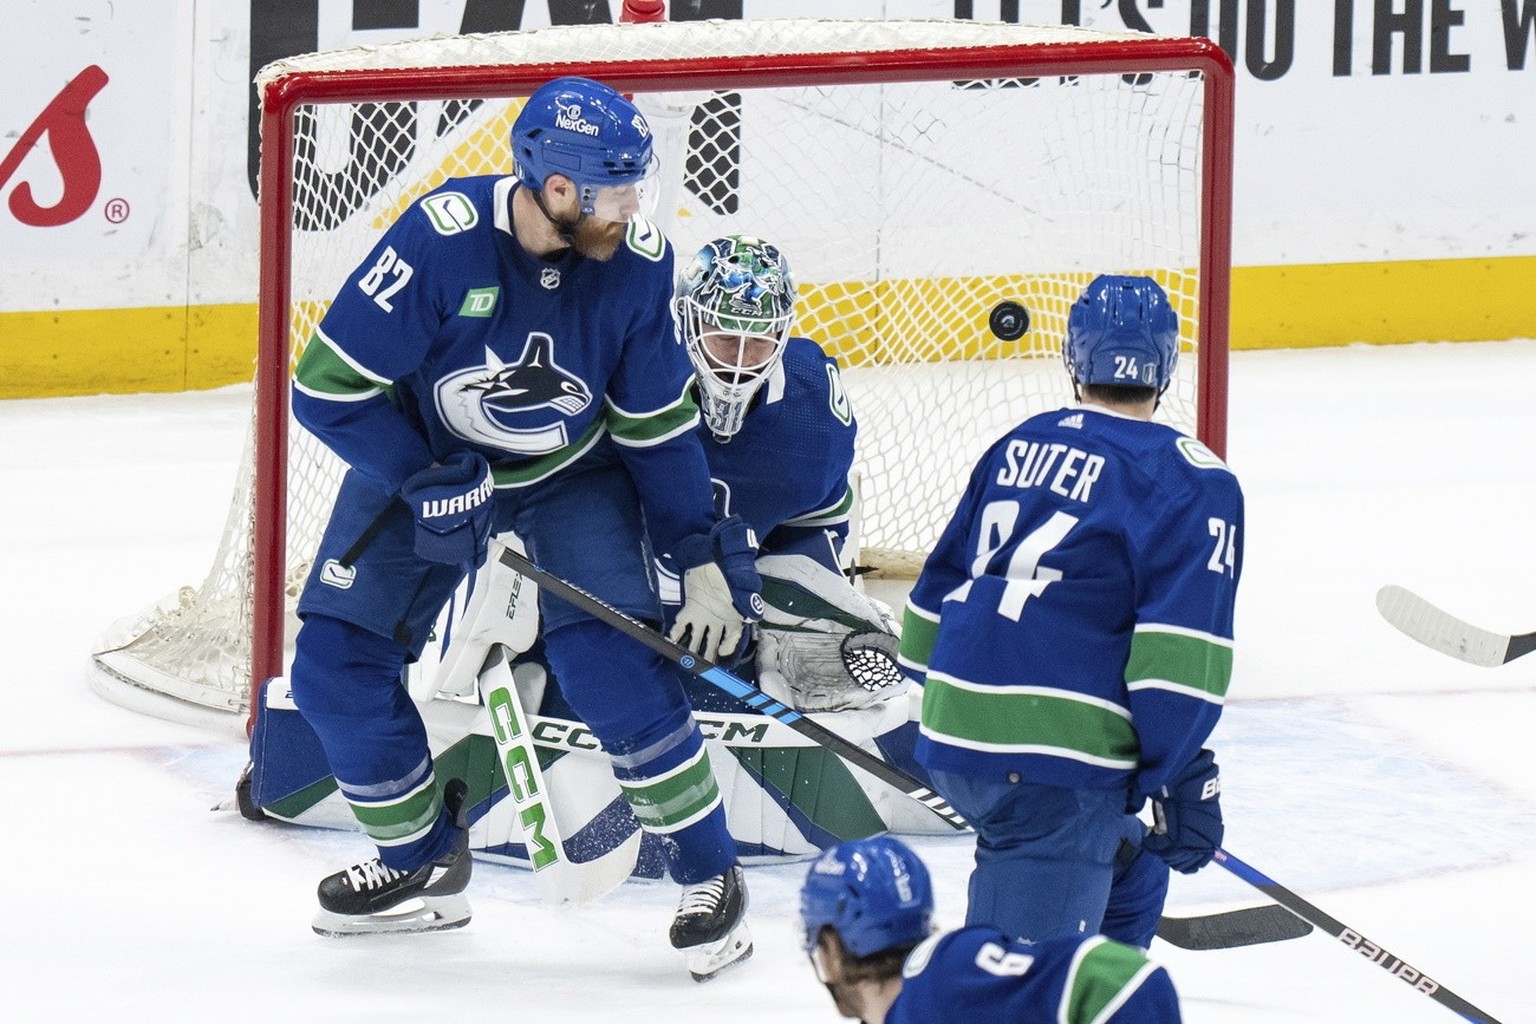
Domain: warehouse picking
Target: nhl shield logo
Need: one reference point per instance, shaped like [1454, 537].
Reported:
[549, 277]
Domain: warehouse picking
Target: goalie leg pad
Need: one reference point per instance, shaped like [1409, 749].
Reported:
[288, 767]
[802, 592]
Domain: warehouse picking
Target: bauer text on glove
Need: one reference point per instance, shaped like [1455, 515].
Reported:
[1189, 814]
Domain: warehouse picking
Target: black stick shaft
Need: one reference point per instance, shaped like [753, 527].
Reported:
[735, 686]
[1372, 951]
[762, 702]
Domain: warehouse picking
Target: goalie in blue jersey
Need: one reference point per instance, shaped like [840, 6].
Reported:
[779, 438]
[867, 912]
[1073, 632]
[505, 360]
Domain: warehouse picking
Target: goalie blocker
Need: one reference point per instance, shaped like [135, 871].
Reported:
[825, 648]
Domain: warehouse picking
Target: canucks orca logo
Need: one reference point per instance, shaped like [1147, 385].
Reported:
[519, 406]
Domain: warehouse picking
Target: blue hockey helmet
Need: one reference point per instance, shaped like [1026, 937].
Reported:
[592, 135]
[1123, 331]
[735, 304]
[875, 892]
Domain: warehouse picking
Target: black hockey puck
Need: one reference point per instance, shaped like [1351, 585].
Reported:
[1009, 320]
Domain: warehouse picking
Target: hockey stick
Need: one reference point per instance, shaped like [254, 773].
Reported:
[1215, 931]
[1247, 927]
[558, 878]
[735, 686]
[1447, 634]
[1372, 951]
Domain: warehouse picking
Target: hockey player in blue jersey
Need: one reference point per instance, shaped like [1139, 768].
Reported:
[505, 360]
[1073, 632]
[867, 909]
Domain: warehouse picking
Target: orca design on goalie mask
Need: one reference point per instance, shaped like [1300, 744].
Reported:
[735, 304]
[1122, 332]
[592, 135]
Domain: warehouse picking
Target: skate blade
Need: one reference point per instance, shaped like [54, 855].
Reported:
[713, 958]
[436, 914]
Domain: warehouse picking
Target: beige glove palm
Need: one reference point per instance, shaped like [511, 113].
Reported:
[721, 589]
[708, 624]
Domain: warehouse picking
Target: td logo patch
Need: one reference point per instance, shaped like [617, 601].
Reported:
[479, 302]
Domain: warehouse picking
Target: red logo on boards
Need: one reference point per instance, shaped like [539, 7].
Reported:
[72, 148]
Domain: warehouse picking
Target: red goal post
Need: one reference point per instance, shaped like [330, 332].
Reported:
[918, 174]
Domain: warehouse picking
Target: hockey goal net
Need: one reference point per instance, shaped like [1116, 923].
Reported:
[943, 190]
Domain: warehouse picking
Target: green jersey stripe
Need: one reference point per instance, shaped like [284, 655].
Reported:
[326, 370]
[639, 430]
[1028, 719]
[1188, 660]
[521, 474]
[1198, 634]
[677, 799]
[1102, 977]
[919, 630]
[835, 513]
[403, 821]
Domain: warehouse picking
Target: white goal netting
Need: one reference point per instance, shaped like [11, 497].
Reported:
[926, 179]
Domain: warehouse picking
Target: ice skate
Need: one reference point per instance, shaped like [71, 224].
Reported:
[372, 898]
[709, 926]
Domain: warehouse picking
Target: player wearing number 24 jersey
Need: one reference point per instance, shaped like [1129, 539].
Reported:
[1073, 631]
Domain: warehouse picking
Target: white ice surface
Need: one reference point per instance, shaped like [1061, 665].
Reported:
[1391, 786]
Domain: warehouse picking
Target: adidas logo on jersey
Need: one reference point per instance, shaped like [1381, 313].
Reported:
[1075, 421]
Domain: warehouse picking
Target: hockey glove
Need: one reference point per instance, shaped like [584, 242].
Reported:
[1188, 813]
[721, 589]
[453, 509]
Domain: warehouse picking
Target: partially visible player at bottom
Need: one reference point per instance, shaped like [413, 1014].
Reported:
[867, 908]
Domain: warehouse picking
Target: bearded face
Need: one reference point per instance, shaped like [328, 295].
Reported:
[597, 239]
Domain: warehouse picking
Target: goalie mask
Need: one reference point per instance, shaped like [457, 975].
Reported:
[587, 132]
[1122, 331]
[735, 302]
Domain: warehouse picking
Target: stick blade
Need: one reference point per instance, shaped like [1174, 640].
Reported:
[1248, 927]
[1422, 621]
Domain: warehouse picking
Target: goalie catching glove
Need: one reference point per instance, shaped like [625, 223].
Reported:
[453, 506]
[721, 589]
[823, 646]
[1188, 816]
